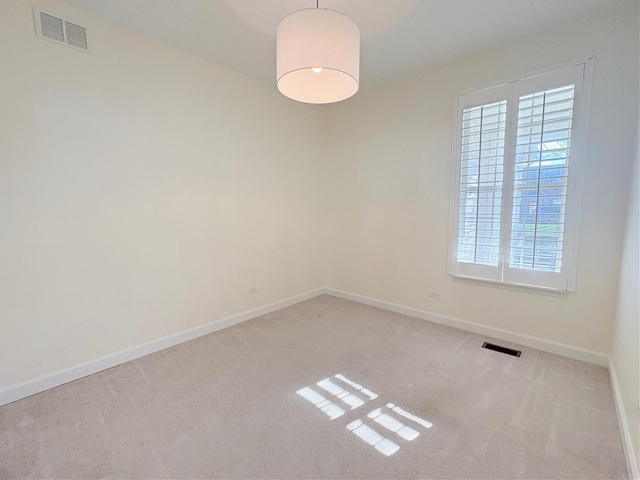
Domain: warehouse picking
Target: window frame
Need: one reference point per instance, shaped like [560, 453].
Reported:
[580, 71]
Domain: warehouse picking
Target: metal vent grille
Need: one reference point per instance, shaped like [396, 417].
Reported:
[50, 26]
[76, 35]
[501, 349]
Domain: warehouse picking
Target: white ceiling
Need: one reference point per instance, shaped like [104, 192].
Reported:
[399, 37]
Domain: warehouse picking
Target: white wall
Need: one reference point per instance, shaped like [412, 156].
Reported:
[392, 158]
[626, 336]
[142, 192]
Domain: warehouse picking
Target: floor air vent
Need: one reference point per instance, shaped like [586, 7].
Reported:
[60, 30]
[498, 348]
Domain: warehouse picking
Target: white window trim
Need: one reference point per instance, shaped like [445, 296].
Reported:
[574, 187]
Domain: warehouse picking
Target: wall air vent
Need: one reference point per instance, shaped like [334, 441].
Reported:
[55, 28]
[501, 349]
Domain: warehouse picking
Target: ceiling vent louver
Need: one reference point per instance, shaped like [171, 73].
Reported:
[76, 35]
[52, 27]
[61, 30]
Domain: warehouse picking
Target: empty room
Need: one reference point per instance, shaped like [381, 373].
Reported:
[319, 239]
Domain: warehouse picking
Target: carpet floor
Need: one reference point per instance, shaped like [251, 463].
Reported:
[326, 388]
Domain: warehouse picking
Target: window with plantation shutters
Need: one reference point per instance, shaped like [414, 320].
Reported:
[517, 171]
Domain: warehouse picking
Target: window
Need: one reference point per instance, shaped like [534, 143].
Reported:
[517, 171]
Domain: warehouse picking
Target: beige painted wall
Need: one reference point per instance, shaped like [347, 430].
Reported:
[625, 351]
[142, 192]
[392, 161]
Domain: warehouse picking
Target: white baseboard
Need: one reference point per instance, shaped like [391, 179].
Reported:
[629, 454]
[45, 382]
[506, 335]
[26, 389]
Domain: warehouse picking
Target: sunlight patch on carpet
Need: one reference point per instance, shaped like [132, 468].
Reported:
[380, 419]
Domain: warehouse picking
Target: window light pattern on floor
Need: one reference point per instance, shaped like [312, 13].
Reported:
[390, 419]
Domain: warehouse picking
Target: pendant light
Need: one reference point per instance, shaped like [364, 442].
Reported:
[318, 56]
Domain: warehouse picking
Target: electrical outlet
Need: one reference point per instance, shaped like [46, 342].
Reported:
[253, 290]
[435, 295]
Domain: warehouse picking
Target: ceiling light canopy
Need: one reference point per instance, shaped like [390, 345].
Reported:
[318, 56]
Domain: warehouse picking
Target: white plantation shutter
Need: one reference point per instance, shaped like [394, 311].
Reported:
[540, 179]
[516, 219]
[483, 130]
[481, 148]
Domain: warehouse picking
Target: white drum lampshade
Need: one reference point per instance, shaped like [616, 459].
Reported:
[318, 56]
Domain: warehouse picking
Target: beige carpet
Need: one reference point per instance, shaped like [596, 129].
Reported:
[326, 389]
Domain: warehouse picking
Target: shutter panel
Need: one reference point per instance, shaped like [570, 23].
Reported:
[542, 170]
[480, 163]
[540, 179]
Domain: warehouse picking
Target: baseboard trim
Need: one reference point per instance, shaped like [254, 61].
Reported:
[629, 454]
[45, 382]
[506, 335]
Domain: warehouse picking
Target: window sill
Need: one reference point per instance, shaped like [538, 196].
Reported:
[551, 292]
